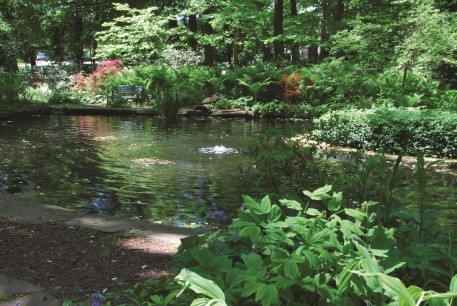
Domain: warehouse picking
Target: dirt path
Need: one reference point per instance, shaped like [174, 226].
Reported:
[73, 255]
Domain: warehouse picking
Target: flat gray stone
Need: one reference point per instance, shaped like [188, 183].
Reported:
[36, 299]
[26, 293]
[12, 286]
[16, 208]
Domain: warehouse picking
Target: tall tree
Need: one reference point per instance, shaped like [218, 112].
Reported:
[278, 28]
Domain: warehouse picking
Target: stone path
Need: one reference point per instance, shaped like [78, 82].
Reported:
[15, 292]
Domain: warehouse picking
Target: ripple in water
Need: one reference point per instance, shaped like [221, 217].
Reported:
[218, 150]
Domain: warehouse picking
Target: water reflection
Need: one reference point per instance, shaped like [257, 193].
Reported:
[131, 167]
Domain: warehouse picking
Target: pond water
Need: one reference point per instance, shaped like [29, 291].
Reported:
[139, 167]
[132, 167]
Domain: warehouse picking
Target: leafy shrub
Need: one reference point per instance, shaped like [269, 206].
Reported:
[277, 109]
[431, 132]
[61, 97]
[171, 89]
[293, 254]
[294, 86]
[12, 86]
[97, 81]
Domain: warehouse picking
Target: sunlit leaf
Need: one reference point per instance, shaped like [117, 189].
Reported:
[198, 284]
[320, 193]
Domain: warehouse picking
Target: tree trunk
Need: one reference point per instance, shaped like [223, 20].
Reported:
[32, 58]
[173, 23]
[78, 46]
[57, 42]
[338, 10]
[294, 46]
[321, 52]
[207, 29]
[278, 28]
[236, 48]
[193, 27]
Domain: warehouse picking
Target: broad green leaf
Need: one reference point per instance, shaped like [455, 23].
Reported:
[198, 284]
[344, 278]
[283, 282]
[335, 203]
[251, 204]
[207, 302]
[251, 231]
[348, 227]
[275, 213]
[394, 286]
[381, 238]
[191, 241]
[291, 204]
[438, 302]
[453, 286]
[252, 260]
[249, 288]
[355, 213]
[313, 212]
[203, 256]
[291, 269]
[247, 216]
[265, 205]
[320, 193]
[266, 295]
[415, 292]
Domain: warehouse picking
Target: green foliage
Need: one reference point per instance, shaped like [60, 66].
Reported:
[294, 254]
[277, 109]
[12, 86]
[391, 130]
[171, 89]
[137, 36]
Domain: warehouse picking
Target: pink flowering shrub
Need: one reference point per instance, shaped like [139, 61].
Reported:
[294, 85]
[97, 81]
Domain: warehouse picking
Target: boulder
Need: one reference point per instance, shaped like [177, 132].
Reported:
[210, 100]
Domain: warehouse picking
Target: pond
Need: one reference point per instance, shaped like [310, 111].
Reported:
[131, 167]
[140, 167]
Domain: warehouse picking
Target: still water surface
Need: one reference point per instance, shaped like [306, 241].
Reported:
[131, 167]
[140, 167]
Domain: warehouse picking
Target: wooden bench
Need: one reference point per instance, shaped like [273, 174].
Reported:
[125, 92]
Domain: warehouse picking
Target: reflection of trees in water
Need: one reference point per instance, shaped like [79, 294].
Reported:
[50, 159]
[88, 162]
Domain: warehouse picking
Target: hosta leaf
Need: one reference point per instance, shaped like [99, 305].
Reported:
[415, 292]
[394, 286]
[453, 286]
[344, 278]
[198, 284]
[266, 295]
[207, 302]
